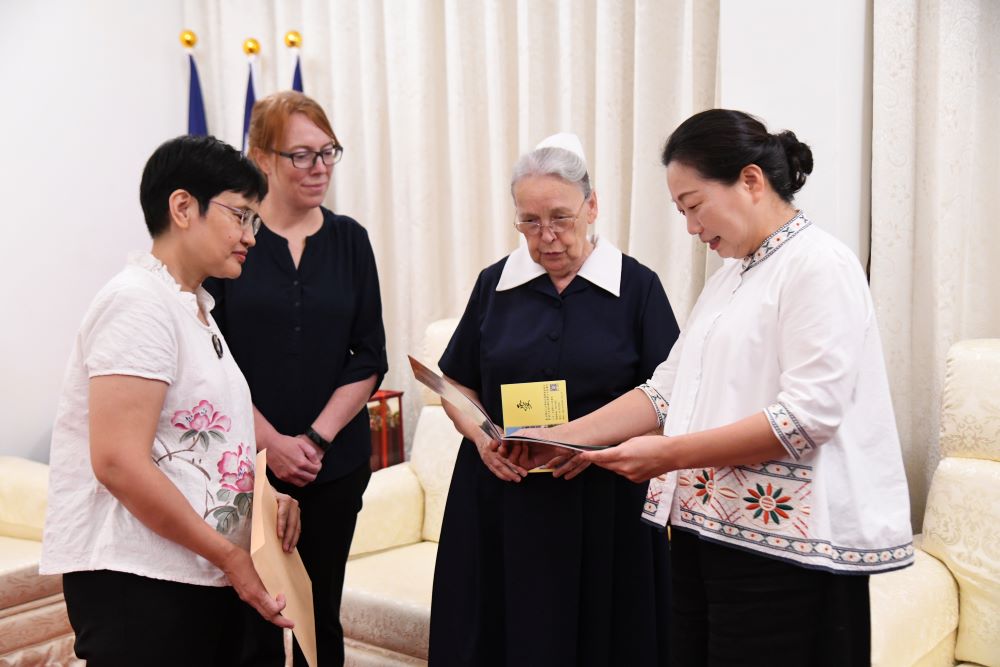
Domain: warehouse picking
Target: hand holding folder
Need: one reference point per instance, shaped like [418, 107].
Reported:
[281, 572]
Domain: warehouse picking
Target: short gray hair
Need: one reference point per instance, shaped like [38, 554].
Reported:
[552, 161]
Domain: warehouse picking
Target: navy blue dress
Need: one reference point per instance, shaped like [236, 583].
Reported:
[549, 571]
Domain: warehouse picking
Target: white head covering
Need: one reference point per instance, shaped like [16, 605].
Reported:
[565, 140]
[602, 268]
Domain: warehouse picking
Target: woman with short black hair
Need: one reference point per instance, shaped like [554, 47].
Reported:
[153, 462]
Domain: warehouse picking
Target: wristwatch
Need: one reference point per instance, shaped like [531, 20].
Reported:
[317, 439]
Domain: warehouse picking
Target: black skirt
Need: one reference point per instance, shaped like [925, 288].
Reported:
[548, 572]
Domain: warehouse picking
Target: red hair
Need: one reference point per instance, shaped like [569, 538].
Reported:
[270, 117]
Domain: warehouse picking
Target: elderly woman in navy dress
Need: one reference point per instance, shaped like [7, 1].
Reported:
[551, 569]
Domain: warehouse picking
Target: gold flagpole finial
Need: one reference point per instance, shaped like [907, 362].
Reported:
[251, 46]
[293, 39]
[188, 39]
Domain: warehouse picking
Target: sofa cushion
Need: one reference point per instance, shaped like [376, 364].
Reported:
[33, 623]
[435, 448]
[56, 651]
[19, 578]
[23, 488]
[962, 530]
[363, 654]
[436, 338]
[392, 511]
[970, 407]
[914, 612]
[387, 598]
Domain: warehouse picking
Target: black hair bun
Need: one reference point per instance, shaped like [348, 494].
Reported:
[799, 156]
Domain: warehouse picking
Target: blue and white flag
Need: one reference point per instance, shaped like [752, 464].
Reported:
[196, 104]
[297, 76]
[248, 108]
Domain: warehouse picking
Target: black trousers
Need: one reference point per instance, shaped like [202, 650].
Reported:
[329, 515]
[124, 620]
[732, 607]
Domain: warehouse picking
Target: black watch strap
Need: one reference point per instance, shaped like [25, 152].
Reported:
[317, 439]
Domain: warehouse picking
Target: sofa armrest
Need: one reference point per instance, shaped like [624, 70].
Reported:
[393, 511]
[23, 496]
[913, 611]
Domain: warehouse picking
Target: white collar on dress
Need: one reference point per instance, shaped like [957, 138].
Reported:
[191, 301]
[603, 268]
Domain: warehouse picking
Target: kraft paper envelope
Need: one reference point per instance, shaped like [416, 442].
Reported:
[281, 572]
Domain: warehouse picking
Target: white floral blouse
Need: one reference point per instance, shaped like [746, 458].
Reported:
[141, 324]
[789, 330]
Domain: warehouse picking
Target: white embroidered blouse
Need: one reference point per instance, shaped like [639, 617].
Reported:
[141, 324]
[789, 330]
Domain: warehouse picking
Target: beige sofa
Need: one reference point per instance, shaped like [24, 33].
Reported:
[946, 608]
[34, 629]
[387, 589]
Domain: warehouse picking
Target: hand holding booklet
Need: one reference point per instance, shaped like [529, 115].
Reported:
[548, 411]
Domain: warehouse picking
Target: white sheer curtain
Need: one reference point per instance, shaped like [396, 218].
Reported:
[935, 197]
[434, 100]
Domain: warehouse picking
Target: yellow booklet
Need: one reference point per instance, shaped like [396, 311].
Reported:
[475, 411]
[533, 405]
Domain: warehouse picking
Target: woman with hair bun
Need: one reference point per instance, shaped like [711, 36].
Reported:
[779, 466]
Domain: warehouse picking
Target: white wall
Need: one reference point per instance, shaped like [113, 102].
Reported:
[805, 65]
[89, 90]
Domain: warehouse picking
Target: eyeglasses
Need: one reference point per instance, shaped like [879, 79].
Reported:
[306, 159]
[248, 219]
[557, 225]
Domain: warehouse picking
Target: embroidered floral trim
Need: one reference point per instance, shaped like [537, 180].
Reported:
[653, 493]
[780, 237]
[788, 430]
[659, 500]
[660, 404]
[705, 485]
[802, 550]
[768, 503]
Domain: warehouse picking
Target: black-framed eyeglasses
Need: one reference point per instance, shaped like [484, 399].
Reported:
[305, 159]
[249, 219]
[558, 224]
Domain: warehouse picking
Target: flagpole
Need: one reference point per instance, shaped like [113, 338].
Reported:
[196, 102]
[293, 40]
[251, 47]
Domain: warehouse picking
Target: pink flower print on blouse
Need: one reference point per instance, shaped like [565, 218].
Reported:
[201, 422]
[237, 470]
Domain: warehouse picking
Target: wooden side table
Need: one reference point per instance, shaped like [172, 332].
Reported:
[387, 428]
